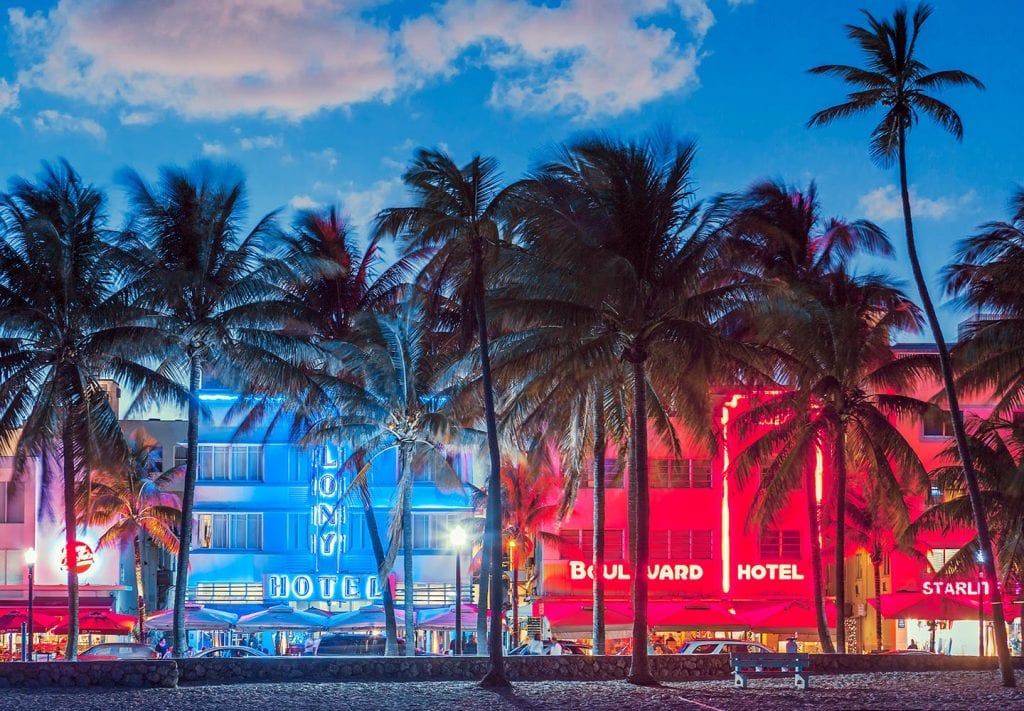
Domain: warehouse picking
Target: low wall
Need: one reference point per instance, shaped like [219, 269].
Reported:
[133, 673]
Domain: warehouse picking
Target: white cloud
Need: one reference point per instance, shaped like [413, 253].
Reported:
[214, 148]
[361, 206]
[329, 156]
[260, 142]
[8, 96]
[304, 202]
[137, 118]
[884, 204]
[737, 3]
[199, 58]
[51, 121]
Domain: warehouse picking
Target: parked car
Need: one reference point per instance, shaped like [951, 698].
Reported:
[119, 650]
[354, 644]
[567, 648]
[231, 651]
[722, 646]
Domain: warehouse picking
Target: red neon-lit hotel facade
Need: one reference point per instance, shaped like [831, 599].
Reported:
[709, 560]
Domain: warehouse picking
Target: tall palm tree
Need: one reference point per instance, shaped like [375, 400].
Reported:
[843, 383]
[458, 220]
[985, 278]
[131, 499]
[779, 233]
[387, 405]
[896, 81]
[623, 264]
[219, 304]
[61, 331]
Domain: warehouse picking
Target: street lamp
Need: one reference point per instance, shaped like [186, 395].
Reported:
[458, 539]
[30, 562]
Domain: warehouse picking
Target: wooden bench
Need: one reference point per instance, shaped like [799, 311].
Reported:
[745, 665]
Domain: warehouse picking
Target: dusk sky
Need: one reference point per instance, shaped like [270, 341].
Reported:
[324, 101]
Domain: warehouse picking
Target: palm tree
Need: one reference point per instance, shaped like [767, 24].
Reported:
[985, 277]
[61, 331]
[623, 267]
[387, 405]
[842, 386]
[219, 303]
[458, 220]
[131, 499]
[898, 82]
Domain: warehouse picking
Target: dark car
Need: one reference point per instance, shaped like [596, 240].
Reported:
[567, 648]
[119, 650]
[230, 651]
[349, 644]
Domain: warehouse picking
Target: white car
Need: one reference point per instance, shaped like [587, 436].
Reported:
[722, 646]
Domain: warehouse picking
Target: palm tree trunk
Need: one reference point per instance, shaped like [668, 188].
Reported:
[495, 676]
[959, 431]
[405, 476]
[816, 572]
[640, 512]
[599, 497]
[482, 596]
[188, 498]
[876, 564]
[140, 590]
[840, 465]
[390, 622]
[70, 536]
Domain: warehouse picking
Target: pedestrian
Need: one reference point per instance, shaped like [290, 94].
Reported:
[309, 649]
[453, 646]
[161, 647]
[470, 646]
[791, 646]
[536, 645]
[555, 650]
[912, 645]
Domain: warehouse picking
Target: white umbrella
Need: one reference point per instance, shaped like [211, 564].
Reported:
[280, 617]
[370, 617]
[197, 617]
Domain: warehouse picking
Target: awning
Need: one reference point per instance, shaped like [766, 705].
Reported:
[788, 616]
[577, 615]
[697, 615]
[99, 622]
[909, 605]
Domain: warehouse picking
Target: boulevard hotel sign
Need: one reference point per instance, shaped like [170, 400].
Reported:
[580, 570]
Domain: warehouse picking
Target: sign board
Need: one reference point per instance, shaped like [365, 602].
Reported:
[324, 587]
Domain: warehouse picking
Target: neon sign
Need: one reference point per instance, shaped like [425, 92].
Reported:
[327, 515]
[579, 570]
[768, 571]
[84, 557]
[959, 587]
[321, 587]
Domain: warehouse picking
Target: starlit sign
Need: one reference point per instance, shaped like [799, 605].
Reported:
[957, 587]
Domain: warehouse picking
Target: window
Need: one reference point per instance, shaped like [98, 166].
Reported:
[682, 545]
[12, 566]
[230, 462]
[431, 530]
[578, 544]
[612, 474]
[938, 423]
[680, 473]
[427, 471]
[780, 545]
[935, 494]
[180, 455]
[12, 502]
[358, 536]
[235, 531]
[705, 648]
[297, 533]
[938, 557]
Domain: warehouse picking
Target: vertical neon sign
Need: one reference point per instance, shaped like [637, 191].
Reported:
[726, 547]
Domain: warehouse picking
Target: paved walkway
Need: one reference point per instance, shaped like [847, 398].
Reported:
[954, 690]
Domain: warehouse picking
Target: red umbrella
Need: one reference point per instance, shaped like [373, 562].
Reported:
[790, 616]
[12, 620]
[99, 622]
[697, 614]
[918, 606]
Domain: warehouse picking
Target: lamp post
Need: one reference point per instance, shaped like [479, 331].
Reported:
[30, 562]
[458, 539]
[513, 561]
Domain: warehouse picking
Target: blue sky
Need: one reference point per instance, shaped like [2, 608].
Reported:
[324, 101]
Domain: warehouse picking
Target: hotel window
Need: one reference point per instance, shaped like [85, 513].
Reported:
[937, 423]
[938, 557]
[612, 474]
[682, 545]
[12, 502]
[427, 471]
[578, 544]
[680, 473]
[12, 566]
[180, 455]
[431, 530]
[297, 533]
[780, 545]
[229, 531]
[358, 536]
[230, 462]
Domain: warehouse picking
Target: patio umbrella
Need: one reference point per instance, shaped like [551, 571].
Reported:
[790, 616]
[918, 606]
[571, 615]
[99, 622]
[446, 620]
[12, 620]
[196, 618]
[370, 617]
[279, 617]
[697, 614]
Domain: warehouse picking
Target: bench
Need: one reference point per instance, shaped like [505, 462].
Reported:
[745, 665]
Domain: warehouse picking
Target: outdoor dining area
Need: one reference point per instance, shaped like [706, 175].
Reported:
[44, 641]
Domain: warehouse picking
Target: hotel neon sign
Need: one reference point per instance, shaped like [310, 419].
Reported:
[321, 587]
[580, 570]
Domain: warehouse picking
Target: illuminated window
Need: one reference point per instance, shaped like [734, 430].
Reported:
[228, 531]
[612, 475]
[680, 473]
[230, 462]
[682, 545]
[780, 545]
[427, 471]
[937, 423]
[938, 557]
[578, 544]
[431, 530]
[12, 502]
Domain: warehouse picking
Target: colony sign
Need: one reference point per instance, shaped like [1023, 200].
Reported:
[325, 587]
[327, 515]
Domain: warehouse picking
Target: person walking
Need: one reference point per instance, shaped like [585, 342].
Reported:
[791, 646]
[536, 645]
